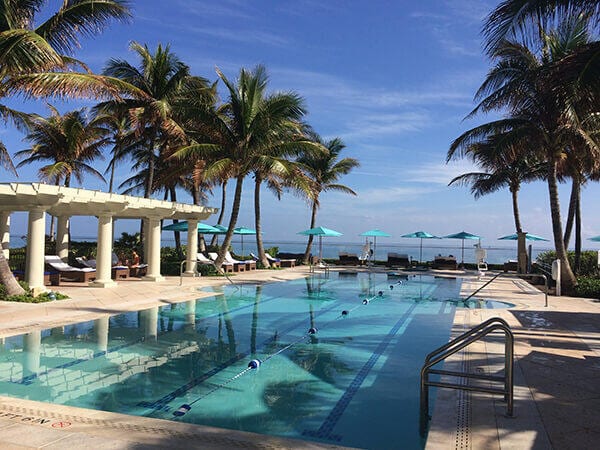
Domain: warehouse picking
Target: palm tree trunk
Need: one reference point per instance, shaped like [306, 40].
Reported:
[567, 276]
[8, 279]
[235, 211]
[313, 220]
[571, 214]
[221, 211]
[176, 234]
[112, 176]
[257, 226]
[516, 214]
[577, 261]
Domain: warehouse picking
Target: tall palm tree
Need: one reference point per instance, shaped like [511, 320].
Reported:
[520, 82]
[162, 76]
[26, 49]
[503, 167]
[70, 143]
[234, 137]
[324, 170]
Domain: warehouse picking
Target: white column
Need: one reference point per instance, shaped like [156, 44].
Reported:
[150, 322]
[145, 241]
[62, 237]
[104, 253]
[101, 332]
[153, 237]
[31, 352]
[34, 262]
[5, 232]
[192, 248]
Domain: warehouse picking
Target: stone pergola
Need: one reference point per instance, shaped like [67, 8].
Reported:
[38, 199]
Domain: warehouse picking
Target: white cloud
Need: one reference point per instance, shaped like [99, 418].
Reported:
[439, 172]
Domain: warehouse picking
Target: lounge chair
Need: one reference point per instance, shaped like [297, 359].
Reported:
[68, 272]
[274, 262]
[445, 262]
[348, 259]
[250, 264]
[398, 260]
[226, 266]
[282, 262]
[117, 271]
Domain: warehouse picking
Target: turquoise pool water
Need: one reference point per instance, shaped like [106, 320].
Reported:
[354, 382]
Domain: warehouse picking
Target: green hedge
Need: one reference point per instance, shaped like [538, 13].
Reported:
[589, 261]
[588, 287]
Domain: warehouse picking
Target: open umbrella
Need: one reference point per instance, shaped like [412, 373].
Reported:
[242, 231]
[183, 226]
[595, 238]
[422, 235]
[462, 235]
[320, 231]
[374, 234]
[218, 229]
[528, 236]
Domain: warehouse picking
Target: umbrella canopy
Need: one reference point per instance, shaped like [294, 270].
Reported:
[529, 237]
[183, 226]
[242, 231]
[422, 235]
[595, 238]
[375, 234]
[462, 235]
[320, 231]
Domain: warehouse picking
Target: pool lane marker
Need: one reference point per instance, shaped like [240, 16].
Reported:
[256, 363]
[252, 365]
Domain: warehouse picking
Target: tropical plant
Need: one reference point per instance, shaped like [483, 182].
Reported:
[521, 84]
[505, 163]
[324, 170]
[70, 142]
[163, 77]
[236, 137]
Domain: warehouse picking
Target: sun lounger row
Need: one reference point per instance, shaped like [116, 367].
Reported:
[349, 259]
[230, 264]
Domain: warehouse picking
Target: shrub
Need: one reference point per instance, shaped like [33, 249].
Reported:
[589, 261]
[588, 287]
[28, 298]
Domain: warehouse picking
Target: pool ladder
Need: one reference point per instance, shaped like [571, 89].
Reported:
[454, 346]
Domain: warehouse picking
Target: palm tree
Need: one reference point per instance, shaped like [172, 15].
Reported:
[234, 138]
[521, 83]
[503, 167]
[324, 170]
[70, 142]
[27, 49]
[162, 76]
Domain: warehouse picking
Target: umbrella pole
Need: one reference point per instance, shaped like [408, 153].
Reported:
[463, 253]
[242, 245]
[374, 249]
[320, 248]
[421, 252]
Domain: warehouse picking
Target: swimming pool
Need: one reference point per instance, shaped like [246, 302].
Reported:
[354, 382]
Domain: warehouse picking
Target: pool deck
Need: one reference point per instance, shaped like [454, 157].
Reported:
[557, 374]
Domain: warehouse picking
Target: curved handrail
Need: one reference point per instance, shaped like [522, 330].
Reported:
[466, 334]
[454, 346]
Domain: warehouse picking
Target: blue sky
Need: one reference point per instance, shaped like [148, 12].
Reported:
[393, 79]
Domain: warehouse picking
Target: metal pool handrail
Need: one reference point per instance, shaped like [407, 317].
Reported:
[509, 275]
[454, 346]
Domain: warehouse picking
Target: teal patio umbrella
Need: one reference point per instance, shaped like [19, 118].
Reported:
[243, 231]
[375, 234]
[595, 238]
[462, 235]
[422, 235]
[183, 226]
[320, 231]
[218, 229]
[528, 236]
